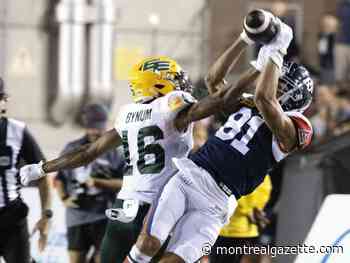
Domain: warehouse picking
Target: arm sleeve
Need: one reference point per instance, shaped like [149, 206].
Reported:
[30, 151]
[303, 128]
[304, 134]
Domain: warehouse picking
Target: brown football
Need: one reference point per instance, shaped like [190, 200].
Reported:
[260, 26]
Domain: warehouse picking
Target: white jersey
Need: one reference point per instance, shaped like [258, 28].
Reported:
[150, 141]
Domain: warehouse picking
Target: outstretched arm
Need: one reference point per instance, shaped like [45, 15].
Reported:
[84, 154]
[223, 65]
[78, 157]
[279, 123]
[224, 99]
[221, 97]
[232, 95]
[205, 107]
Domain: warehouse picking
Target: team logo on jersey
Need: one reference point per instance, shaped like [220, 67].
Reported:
[176, 102]
[180, 101]
[156, 65]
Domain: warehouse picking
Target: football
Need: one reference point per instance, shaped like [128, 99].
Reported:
[260, 26]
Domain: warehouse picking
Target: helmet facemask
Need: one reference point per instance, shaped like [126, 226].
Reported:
[181, 81]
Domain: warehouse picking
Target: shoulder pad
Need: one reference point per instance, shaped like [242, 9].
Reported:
[178, 100]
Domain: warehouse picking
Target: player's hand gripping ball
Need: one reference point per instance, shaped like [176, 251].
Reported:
[261, 26]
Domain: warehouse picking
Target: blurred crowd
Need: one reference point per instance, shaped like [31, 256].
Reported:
[330, 114]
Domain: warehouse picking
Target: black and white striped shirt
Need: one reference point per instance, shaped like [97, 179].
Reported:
[16, 144]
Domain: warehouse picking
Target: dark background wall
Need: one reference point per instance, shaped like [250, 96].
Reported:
[308, 178]
[226, 18]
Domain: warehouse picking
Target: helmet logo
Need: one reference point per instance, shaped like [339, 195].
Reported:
[296, 87]
[156, 65]
[309, 84]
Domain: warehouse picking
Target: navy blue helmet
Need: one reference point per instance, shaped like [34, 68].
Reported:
[295, 87]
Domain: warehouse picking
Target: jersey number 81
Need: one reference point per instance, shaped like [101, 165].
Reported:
[239, 129]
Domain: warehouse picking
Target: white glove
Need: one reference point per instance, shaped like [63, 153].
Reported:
[118, 214]
[283, 38]
[125, 214]
[276, 49]
[265, 54]
[31, 172]
[263, 58]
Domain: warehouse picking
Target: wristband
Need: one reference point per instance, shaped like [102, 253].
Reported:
[255, 65]
[246, 39]
[41, 163]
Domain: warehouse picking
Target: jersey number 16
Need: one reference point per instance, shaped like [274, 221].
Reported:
[157, 164]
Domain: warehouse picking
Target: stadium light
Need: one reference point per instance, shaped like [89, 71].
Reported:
[153, 19]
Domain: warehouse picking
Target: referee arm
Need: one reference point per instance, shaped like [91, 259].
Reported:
[31, 153]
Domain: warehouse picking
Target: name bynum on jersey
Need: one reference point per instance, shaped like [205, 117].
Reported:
[150, 141]
[141, 115]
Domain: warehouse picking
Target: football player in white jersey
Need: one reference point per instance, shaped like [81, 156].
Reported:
[153, 130]
[150, 133]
